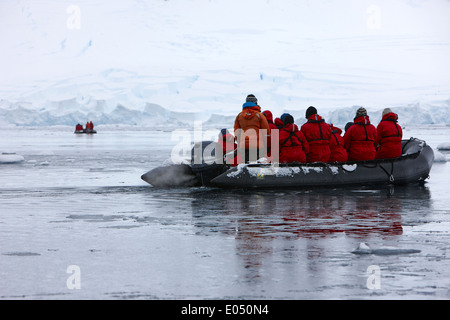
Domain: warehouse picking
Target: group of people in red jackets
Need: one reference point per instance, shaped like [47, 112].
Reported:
[315, 140]
[89, 127]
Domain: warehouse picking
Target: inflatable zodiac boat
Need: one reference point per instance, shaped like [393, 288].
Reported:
[412, 167]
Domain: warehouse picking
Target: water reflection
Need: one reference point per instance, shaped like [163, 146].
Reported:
[256, 219]
[307, 213]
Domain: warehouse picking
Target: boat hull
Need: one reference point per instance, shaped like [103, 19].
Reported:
[413, 166]
[84, 131]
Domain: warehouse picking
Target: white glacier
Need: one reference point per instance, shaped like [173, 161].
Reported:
[157, 63]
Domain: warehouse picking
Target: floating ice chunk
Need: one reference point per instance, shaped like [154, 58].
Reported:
[364, 248]
[11, 158]
[21, 254]
[444, 146]
[439, 156]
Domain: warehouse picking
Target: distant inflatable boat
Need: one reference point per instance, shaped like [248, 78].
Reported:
[412, 167]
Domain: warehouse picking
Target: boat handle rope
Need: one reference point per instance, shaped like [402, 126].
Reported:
[390, 175]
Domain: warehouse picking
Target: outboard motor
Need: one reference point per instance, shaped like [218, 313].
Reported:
[207, 161]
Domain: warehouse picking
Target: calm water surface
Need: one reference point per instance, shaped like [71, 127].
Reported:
[78, 202]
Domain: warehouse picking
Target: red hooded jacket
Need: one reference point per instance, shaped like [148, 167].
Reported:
[228, 146]
[359, 140]
[293, 144]
[338, 152]
[269, 118]
[227, 143]
[389, 137]
[278, 123]
[318, 134]
[272, 126]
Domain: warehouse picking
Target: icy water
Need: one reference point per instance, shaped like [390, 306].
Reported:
[77, 222]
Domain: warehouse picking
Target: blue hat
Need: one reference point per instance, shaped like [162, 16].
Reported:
[248, 105]
[284, 116]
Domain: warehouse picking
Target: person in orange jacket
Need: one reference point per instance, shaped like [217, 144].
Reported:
[318, 135]
[251, 129]
[359, 139]
[338, 152]
[389, 136]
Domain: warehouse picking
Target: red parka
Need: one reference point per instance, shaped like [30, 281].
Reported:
[269, 118]
[293, 144]
[359, 140]
[227, 143]
[338, 152]
[318, 135]
[272, 126]
[278, 123]
[389, 137]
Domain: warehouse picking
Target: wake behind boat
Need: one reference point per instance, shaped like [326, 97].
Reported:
[412, 167]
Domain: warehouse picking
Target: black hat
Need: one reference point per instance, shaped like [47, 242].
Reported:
[310, 111]
[251, 98]
[288, 119]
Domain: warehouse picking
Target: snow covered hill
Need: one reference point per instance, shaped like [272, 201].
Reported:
[156, 63]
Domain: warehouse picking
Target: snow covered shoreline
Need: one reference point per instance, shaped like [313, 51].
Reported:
[155, 116]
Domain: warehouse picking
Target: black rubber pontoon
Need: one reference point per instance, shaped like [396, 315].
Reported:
[413, 166]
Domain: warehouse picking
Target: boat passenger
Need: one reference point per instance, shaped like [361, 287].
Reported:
[389, 136]
[293, 144]
[283, 116]
[78, 127]
[318, 134]
[88, 126]
[91, 125]
[229, 146]
[272, 126]
[359, 140]
[348, 125]
[251, 129]
[278, 123]
[269, 118]
[338, 152]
